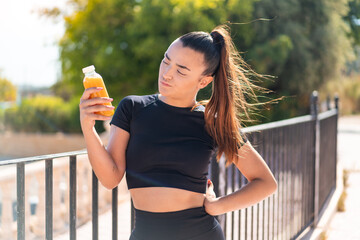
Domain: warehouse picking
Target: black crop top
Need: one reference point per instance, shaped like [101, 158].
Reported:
[168, 145]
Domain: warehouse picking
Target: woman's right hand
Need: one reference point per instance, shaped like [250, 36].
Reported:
[89, 106]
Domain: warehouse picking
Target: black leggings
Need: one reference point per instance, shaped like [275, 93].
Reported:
[188, 224]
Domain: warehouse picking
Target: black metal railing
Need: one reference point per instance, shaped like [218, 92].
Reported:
[301, 152]
[20, 203]
[328, 146]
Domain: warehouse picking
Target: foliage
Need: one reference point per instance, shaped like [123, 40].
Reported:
[126, 39]
[346, 173]
[7, 90]
[353, 20]
[303, 43]
[303, 50]
[323, 236]
[341, 202]
[348, 90]
[43, 114]
[1, 120]
[343, 196]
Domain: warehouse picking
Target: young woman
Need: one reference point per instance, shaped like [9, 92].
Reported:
[164, 141]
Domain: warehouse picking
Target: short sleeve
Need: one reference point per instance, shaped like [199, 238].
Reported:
[123, 114]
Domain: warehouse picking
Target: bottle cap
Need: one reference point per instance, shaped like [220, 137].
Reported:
[88, 69]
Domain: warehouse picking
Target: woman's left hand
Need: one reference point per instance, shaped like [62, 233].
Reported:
[211, 201]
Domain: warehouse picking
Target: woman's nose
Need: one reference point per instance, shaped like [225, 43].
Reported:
[167, 73]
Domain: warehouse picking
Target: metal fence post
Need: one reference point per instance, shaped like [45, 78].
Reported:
[214, 176]
[72, 197]
[336, 100]
[328, 105]
[314, 113]
[20, 203]
[95, 206]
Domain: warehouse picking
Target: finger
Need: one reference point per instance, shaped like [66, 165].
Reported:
[210, 194]
[98, 108]
[95, 116]
[94, 101]
[210, 189]
[87, 93]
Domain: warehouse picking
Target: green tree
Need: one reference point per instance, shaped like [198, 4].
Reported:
[44, 114]
[7, 90]
[353, 20]
[303, 43]
[126, 39]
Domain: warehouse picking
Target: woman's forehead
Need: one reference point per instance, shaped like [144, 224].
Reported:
[184, 55]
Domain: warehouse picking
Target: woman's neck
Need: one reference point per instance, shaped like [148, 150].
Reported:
[184, 103]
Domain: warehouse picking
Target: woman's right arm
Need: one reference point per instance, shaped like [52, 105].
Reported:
[107, 163]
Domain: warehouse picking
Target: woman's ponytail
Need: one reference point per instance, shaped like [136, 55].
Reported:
[220, 112]
[227, 109]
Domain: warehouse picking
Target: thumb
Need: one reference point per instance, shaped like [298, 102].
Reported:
[210, 186]
[209, 183]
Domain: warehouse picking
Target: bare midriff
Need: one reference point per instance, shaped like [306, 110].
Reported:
[164, 199]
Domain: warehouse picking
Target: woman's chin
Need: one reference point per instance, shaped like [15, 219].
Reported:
[162, 91]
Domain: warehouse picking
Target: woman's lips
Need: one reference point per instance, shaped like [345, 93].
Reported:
[165, 84]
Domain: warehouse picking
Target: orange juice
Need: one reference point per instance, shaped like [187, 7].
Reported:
[93, 79]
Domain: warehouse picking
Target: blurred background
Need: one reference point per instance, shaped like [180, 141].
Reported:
[303, 45]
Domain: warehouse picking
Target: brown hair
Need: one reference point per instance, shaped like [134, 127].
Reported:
[227, 108]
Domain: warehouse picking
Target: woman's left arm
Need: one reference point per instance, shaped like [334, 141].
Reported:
[261, 184]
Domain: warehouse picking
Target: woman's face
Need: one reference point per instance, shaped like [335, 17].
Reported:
[180, 73]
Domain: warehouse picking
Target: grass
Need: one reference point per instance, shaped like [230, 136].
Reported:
[341, 202]
[323, 236]
[345, 178]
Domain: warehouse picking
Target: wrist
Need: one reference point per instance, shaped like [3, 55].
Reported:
[86, 125]
[213, 206]
[86, 130]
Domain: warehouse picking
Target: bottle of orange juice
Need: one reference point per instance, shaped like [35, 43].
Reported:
[93, 79]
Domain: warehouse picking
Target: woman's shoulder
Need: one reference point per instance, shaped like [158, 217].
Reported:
[136, 100]
[132, 104]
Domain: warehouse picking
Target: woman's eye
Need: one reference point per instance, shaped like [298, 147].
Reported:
[165, 62]
[181, 73]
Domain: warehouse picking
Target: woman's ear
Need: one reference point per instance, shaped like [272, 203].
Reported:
[204, 81]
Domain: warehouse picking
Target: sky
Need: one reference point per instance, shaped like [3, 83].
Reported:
[28, 43]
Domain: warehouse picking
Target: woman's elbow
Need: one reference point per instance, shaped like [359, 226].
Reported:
[110, 185]
[112, 182]
[273, 185]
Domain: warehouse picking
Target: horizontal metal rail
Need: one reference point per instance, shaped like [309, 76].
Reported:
[41, 157]
[278, 124]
